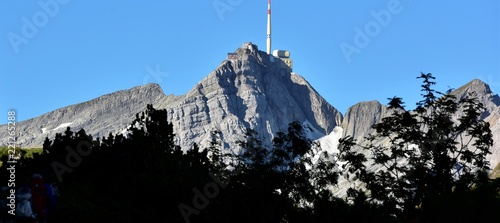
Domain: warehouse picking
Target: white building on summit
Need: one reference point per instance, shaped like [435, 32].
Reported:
[284, 55]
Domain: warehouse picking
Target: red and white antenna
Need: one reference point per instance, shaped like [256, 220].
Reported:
[268, 27]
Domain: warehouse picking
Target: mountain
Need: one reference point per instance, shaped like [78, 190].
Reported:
[247, 92]
[99, 117]
[360, 117]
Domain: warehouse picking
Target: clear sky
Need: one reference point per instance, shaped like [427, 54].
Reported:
[58, 53]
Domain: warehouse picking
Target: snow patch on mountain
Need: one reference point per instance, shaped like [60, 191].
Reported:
[125, 131]
[64, 125]
[330, 142]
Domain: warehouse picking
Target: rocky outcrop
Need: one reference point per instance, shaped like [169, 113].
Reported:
[491, 114]
[99, 117]
[360, 118]
[482, 91]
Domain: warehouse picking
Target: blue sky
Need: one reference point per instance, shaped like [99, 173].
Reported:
[57, 53]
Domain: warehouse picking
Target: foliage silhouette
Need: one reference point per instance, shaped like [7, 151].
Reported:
[432, 170]
[435, 158]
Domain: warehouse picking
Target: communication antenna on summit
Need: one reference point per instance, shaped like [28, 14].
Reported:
[283, 55]
[269, 28]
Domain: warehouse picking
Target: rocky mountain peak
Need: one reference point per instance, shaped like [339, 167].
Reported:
[482, 91]
[479, 89]
[151, 90]
[151, 87]
[250, 91]
[110, 113]
[477, 86]
[359, 118]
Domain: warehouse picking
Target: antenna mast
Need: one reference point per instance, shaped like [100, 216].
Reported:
[269, 27]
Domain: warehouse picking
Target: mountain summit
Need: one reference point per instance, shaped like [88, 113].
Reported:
[245, 91]
[250, 91]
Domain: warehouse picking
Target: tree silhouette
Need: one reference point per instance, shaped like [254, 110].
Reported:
[116, 178]
[284, 182]
[426, 165]
[434, 152]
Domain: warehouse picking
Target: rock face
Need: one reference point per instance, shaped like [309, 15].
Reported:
[360, 118]
[249, 92]
[483, 92]
[491, 103]
[494, 120]
[99, 117]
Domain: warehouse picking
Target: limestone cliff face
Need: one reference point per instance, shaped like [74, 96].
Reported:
[491, 103]
[99, 117]
[360, 118]
[494, 120]
[249, 92]
[483, 92]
